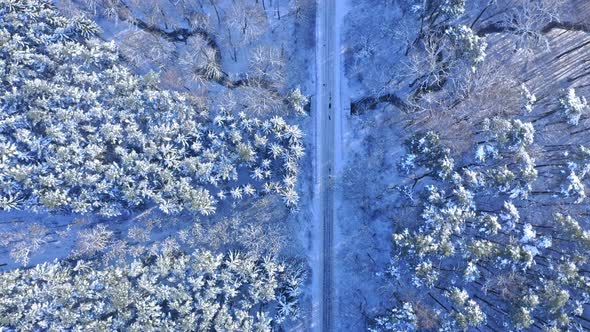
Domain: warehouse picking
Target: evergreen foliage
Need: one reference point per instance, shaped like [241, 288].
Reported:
[468, 46]
[397, 319]
[425, 150]
[578, 169]
[171, 291]
[80, 133]
[483, 262]
[573, 106]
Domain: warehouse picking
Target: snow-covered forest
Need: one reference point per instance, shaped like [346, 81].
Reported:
[294, 165]
[470, 118]
[150, 164]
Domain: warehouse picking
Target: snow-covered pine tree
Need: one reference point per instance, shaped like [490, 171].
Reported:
[169, 290]
[484, 262]
[574, 106]
[79, 132]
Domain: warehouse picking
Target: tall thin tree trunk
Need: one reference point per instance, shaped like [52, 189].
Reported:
[216, 11]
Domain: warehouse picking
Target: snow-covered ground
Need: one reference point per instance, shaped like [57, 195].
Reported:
[335, 289]
[349, 182]
[324, 141]
[370, 145]
[287, 29]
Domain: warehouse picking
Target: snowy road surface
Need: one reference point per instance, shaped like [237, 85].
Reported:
[327, 117]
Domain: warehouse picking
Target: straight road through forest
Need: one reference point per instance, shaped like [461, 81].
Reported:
[325, 117]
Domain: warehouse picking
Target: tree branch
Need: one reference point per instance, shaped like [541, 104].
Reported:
[370, 102]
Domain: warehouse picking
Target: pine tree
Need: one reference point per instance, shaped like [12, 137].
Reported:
[80, 133]
[573, 106]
